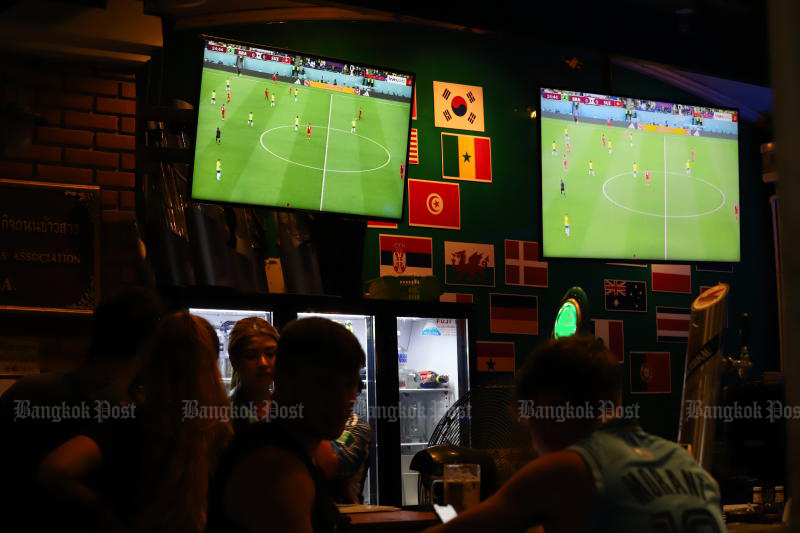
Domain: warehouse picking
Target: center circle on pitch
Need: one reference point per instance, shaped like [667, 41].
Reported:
[614, 181]
[281, 139]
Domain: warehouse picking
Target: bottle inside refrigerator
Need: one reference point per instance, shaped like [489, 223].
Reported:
[432, 375]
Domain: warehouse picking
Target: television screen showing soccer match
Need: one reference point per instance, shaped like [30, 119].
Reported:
[628, 178]
[294, 131]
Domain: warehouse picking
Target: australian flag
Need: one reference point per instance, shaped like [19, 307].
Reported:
[622, 295]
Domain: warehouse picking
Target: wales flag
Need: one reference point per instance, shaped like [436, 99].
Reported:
[466, 157]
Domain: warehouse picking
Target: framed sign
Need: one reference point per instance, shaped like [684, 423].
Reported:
[49, 247]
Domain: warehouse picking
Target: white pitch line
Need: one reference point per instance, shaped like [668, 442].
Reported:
[325, 163]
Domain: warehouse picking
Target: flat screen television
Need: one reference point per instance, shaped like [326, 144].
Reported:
[290, 130]
[638, 179]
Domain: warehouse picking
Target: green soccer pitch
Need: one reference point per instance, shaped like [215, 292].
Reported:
[271, 164]
[679, 216]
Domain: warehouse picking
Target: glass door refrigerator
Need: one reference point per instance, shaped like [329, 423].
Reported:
[223, 320]
[363, 327]
[432, 375]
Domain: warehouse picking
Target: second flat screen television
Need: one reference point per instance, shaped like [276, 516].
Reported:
[627, 178]
[295, 131]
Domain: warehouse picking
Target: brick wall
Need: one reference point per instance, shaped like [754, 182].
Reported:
[89, 139]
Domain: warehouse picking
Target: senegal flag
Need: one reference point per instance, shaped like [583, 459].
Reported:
[466, 157]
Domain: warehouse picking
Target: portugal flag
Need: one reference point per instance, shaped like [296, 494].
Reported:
[434, 204]
[650, 373]
[466, 157]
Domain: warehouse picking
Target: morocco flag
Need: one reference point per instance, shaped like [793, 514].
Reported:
[434, 204]
[466, 157]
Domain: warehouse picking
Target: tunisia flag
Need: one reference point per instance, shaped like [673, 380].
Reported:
[434, 204]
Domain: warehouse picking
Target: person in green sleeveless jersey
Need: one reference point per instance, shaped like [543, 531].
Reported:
[597, 470]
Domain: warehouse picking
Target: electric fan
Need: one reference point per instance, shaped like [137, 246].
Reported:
[484, 419]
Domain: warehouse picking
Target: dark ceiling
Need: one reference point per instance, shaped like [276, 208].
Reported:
[724, 38]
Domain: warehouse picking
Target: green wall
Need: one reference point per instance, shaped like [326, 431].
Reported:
[510, 72]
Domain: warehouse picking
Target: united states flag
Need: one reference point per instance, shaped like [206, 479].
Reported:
[413, 148]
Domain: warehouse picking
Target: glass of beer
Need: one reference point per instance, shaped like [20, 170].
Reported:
[462, 485]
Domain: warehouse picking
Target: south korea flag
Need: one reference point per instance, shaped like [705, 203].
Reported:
[458, 107]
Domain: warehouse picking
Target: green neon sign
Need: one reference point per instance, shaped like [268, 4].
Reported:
[566, 320]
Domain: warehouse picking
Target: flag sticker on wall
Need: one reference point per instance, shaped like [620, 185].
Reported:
[406, 256]
[457, 297]
[467, 263]
[414, 104]
[513, 313]
[466, 157]
[494, 356]
[382, 225]
[672, 278]
[522, 265]
[624, 295]
[672, 324]
[613, 334]
[459, 107]
[413, 148]
[650, 373]
[434, 204]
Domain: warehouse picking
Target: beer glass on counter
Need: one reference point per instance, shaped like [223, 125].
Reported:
[462, 486]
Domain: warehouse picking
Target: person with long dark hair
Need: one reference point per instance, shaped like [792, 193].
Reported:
[151, 472]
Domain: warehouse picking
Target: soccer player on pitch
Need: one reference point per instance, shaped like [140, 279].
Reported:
[603, 139]
[554, 151]
[219, 170]
[360, 112]
[250, 119]
[566, 224]
[402, 171]
[228, 96]
[296, 122]
[635, 169]
[308, 131]
[274, 77]
[563, 188]
[213, 97]
[591, 168]
[296, 92]
[565, 163]
[219, 136]
[566, 135]
[228, 85]
[568, 147]
[647, 177]
[272, 102]
[222, 111]
[609, 146]
[693, 155]
[266, 94]
[630, 138]
[353, 126]
[688, 166]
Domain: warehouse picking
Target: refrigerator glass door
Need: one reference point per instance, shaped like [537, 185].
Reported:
[223, 321]
[432, 375]
[362, 326]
